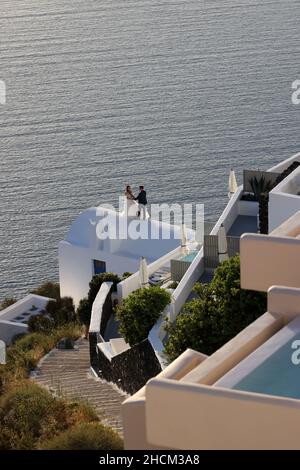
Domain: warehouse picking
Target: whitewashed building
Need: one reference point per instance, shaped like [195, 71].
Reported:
[86, 249]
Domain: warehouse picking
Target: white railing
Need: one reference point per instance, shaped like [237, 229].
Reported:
[186, 284]
[230, 212]
[285, 164]
[97, 308]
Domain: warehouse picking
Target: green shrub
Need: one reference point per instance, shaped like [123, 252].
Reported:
[126, 275]
[140, 311]
[7, 302]
[173, 285]
[48, 289]
[61, 311]
[97, 281]
[90, 436]
[220, 312]
[40, 323]
[84, 311]
[29, 413]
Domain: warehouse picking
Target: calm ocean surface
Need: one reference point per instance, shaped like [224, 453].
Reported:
[104, 92]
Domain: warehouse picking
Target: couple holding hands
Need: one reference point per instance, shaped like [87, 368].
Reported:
[136, 206]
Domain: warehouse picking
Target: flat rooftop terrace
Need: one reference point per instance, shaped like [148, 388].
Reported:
[243, 224]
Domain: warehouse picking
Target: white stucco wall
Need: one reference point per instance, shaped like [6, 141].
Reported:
[267, 260]
[283, 200]
[83, 245]
[10, 328]
[76, 268]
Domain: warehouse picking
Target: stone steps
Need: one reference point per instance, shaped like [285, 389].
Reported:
[68, 373]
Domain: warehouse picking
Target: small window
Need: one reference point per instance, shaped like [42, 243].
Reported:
[99, 267]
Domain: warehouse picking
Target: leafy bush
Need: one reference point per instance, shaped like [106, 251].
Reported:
[140, 311]
[97, 281]
[61, 311]
[90, 436]
[84, 311]
[220, 312]
[126, 275]
[173, 285]
[40, 323]
[27, 414]
[7, 302]
[48, 289]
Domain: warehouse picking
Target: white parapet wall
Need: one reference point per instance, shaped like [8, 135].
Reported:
[284, 199]
[185, 398]
[186, 284]
[207, 418]
[269, 260]
[97, 307]
[13, 319]
[76, 268]
[283, 165]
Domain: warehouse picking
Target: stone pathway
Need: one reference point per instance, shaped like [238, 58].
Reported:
[67, 373]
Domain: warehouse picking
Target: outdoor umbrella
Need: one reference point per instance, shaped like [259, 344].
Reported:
[183, 237]
[143, 272]
[232, 184]
[222, 244]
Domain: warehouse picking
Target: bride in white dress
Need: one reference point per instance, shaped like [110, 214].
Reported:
[131, 206]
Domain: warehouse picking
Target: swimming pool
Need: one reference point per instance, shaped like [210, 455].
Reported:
[190, 256]
[269, 369]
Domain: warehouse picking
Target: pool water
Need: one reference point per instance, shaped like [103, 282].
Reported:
[190, 257]
[277, 375]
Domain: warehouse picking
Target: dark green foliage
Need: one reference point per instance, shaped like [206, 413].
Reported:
[61, 311]
[173, 285]
[89, 436]
[287, 172]
[140, 311]
[126, 275]
[248, 197]
[220, 312]
[259, 186]
[97, 281]
[40, 323]
[84, 312]
[48, 289]
[7, 302]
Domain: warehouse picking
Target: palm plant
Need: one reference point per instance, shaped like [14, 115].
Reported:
[260, 186]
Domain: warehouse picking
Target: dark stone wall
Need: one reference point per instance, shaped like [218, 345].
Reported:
[129, 370]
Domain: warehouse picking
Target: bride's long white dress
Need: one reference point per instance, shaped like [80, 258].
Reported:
[131, 207]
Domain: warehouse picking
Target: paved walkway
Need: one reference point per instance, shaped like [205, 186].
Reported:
[67, 373]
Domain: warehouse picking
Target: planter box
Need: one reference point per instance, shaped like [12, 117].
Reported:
[248, 208]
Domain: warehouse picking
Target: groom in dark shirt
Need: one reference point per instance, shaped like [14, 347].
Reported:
[142, 200]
